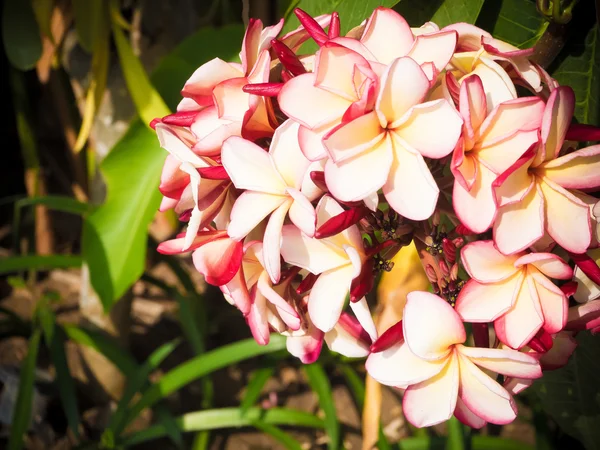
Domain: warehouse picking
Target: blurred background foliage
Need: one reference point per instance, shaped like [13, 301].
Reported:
[106, 344]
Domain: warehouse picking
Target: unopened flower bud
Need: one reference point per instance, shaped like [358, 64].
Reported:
[449, 250]
[458, 242]
[430, 272]
[454, 272]
[444, 268]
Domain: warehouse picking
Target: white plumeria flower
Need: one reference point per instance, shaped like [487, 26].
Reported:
[273, 183]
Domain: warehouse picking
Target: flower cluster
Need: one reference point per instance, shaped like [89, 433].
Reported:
[301, 175]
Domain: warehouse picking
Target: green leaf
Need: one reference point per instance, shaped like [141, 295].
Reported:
[202, 365]
[22, 412]
[214, 419]
[278, 434]
[166, 419]
[456, 435]
[104, 345]
[317, 378]
[43, 15]
[255, 386]
[114, 236]
[38, 262]
[452, 11]
[352, 13]
[148, 102]
[55, 202]
[571, 395]
[55, 341]
[136, 382]
[90, 16]
[517, 22]
[579, 67]
[20, 34]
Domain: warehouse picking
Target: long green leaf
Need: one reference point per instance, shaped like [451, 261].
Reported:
[203, 365]
[55, 341]
[57, 203]
[38, 262]
[104, 345]
[89, 17]
[22, 412]
[453, 11]
[579, 67]
[20, 34]
[255, 386]
[278, 434]
[115, 235]
[317, 378]
[166, 419]
[571, 395]
[517, 22]
[136, 382]
[228, 418]
[148, 102]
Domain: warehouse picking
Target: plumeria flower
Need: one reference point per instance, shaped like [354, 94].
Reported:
[481, 43]
[513, 291]
[385, 148]
[202, 196]
[537, 194]
[265, 305]
[442, 377]
[336, 259]
[387, 36]
[341, 86]
[490, 144]
[347, 338]
[273, 184]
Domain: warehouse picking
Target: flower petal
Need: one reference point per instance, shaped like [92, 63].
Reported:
[433, 401]
[328, 295]
[468, 417]
[314, 255]
[416, 128]
[557, 118]
[431, 326]
[410, 173]
[519, 225]
[483, 396]
[318, 106]
[286, 311]
[272, 241]
[249, 210]
[348, 180]
[486, 264]
[504, 361]
[311, 141]
[211, 131]
[202, 82]
[398, 366]
[476, 208]
[567, 217]
[503, 154]
[250, 167]
[521, 114]
[364, 317]
[385, 26]
[403, 85]
[472, 106]
[576, 170]
[345, 343]
[308, 347]
[218, 260]
[479, 302]
[354, 138]
[553, 301]
[435, 47]
[549, 264]
[286, 154]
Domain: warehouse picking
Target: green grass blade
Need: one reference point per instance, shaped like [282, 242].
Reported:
[103, 344]
[22, 412]
[136, 382]
[317, 378]
[38, 262]
[357, 387]
[278, 434]
[456, 435]
[255, 386]
[203, 365]
[166, 419]
[214, 419]
[55, 341]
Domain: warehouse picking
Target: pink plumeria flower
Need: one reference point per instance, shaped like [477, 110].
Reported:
[474, 39]
[513, 291]
[337, 260]
[426, 45]
[491, 143]
[264, 305]
[441, 375]
[385, 148]
[204, 197]
[587, 289]
[273, 181]
[341, 86]
[538, 193]
[584, 316]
